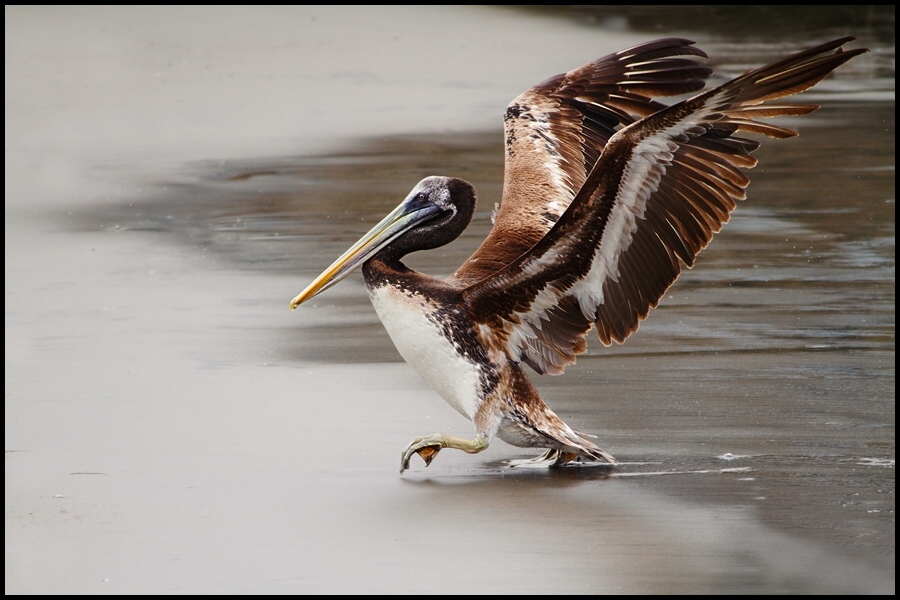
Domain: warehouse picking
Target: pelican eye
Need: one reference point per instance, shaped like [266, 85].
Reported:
[421, 197]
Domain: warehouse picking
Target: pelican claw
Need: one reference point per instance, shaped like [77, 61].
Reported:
[426, 446]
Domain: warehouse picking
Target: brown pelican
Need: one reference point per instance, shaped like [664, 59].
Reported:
[606, 194]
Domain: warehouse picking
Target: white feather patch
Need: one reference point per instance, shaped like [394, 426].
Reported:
[422, 344]
[649, 160]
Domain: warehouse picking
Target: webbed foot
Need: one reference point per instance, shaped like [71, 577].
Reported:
[554, 458]
[429, 445]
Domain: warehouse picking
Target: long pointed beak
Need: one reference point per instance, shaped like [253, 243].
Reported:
[401, 219]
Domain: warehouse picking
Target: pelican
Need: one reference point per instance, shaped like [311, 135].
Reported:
[607, 193]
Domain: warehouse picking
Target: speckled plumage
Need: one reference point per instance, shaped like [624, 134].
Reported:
[607, 193]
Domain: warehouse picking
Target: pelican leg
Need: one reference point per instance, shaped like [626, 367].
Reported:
[429, 445]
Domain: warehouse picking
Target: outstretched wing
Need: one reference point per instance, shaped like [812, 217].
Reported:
[556, 131]
[661, 189]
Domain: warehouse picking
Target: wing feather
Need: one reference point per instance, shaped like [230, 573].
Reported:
[556, 131]
[662, 187]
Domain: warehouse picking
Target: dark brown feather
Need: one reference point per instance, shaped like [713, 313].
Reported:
[660, 189]
[556, 131]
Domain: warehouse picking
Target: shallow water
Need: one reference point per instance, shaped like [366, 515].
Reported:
[172, 427]
[770, 363]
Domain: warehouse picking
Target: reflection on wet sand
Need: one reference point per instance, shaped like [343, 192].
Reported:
[247, 449]
[775, 350]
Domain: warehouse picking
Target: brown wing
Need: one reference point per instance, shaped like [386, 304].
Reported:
[556, 130]
[661, 189]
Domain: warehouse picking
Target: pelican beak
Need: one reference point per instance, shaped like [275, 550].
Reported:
[411, 212]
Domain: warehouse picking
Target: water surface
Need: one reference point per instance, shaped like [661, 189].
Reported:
[173, 427]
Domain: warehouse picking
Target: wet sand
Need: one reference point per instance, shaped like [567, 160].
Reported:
[175, 177]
